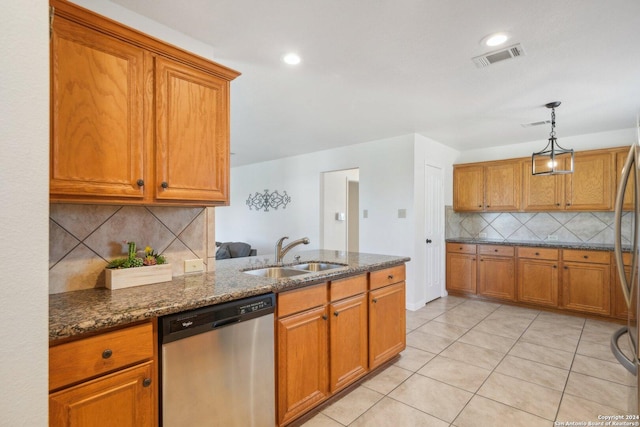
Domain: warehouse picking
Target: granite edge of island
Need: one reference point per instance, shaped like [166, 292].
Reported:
[89, 311]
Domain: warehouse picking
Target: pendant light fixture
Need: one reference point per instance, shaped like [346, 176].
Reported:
[553, 159]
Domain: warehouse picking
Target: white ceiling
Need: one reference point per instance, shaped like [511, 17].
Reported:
[382, 68]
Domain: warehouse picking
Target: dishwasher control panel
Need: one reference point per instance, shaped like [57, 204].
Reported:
[181, 325]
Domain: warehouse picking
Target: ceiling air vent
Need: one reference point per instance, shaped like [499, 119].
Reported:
[498, 55]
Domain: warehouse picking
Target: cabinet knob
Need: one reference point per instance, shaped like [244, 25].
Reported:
[146, 382]
[557, 204]
[488, 206]
[324, 317]
[495, 250]
[566, 268]
[335, 313]
[537, 253]
[390, 277]
[481, 259]
[555, 266]
[568, 204]
[164, 185]
[375, 300]
[107, 354]
[479, 206]
[585, 256]
[428, 240]
[140, 182]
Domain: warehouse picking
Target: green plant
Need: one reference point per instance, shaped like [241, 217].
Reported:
[132, 260]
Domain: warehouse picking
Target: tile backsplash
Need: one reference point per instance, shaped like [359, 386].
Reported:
[573, 227]
[83, 238]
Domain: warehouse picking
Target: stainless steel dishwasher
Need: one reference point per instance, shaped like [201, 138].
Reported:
[217, 365]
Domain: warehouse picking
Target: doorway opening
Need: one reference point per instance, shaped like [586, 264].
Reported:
[339, 210]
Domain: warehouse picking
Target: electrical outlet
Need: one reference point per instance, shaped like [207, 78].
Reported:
[193, 265]
[402, 213]
[552, 237]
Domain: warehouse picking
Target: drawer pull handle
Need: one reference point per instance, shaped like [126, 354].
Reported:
[375, 300]
[146, 382]
[107, 354]
[495, 250]
[460, 247]
[390, 277]
[586, 256]
[537, 253]
[335, 313]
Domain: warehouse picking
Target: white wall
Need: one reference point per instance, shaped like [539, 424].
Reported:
[335, 190]
[386, 184]
[24, 166]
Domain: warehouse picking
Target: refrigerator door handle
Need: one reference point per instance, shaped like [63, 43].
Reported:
[626, 285]
[630, 365]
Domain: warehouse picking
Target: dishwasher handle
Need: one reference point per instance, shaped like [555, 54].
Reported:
[225, 322]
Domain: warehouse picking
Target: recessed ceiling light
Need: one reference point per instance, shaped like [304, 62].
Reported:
[495, 39]
[291, 59]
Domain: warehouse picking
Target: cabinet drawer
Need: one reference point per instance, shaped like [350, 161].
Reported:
[496, 250]
[339, 289]
[89, 357]
[388, 276]
[538, 253]
[297, 300]
[461, 248]
[597, 257]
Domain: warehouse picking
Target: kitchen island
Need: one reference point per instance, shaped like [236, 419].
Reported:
[92, 310]
[332, 328]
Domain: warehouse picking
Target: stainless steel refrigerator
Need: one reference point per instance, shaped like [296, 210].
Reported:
[624, 342]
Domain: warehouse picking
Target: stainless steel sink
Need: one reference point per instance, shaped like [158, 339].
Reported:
[276, 272]
[317, 266]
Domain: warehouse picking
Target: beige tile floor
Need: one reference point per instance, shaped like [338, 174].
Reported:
[474, 363]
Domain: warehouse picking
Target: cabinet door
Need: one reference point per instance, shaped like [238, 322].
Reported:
[538, 282]
[192, 157]
[591, 185]
[621, 158]
[541, 192]
[468, 188]
[121, 399]
[503, 186]
[96, 115]
[387, 319]
[461, 272]
[497, 277]
[586, 287]
[348, 340]
[303, 374]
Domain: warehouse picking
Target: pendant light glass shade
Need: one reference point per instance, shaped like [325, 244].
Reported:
[553, 159]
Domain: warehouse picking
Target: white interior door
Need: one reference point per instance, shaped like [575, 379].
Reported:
[434, 232]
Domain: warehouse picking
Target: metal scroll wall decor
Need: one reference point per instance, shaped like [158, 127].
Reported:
[268, 200]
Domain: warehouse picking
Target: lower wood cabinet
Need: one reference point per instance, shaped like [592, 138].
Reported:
[461, 267]
[303, 369]
[121, 399]
[348, 340]
[332, 334]
[496, 272]
[109, 377]
[586, 279]
[538, 276]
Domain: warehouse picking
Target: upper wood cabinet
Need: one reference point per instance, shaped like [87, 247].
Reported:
[134, 120]
[493, 186]
[504, 187]
[591, 185]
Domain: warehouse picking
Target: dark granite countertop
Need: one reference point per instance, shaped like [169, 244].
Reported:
[545, 244]
[91, 310]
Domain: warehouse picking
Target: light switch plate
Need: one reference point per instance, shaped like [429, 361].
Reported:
[365, 213]
[402, 213]
[193, 265]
